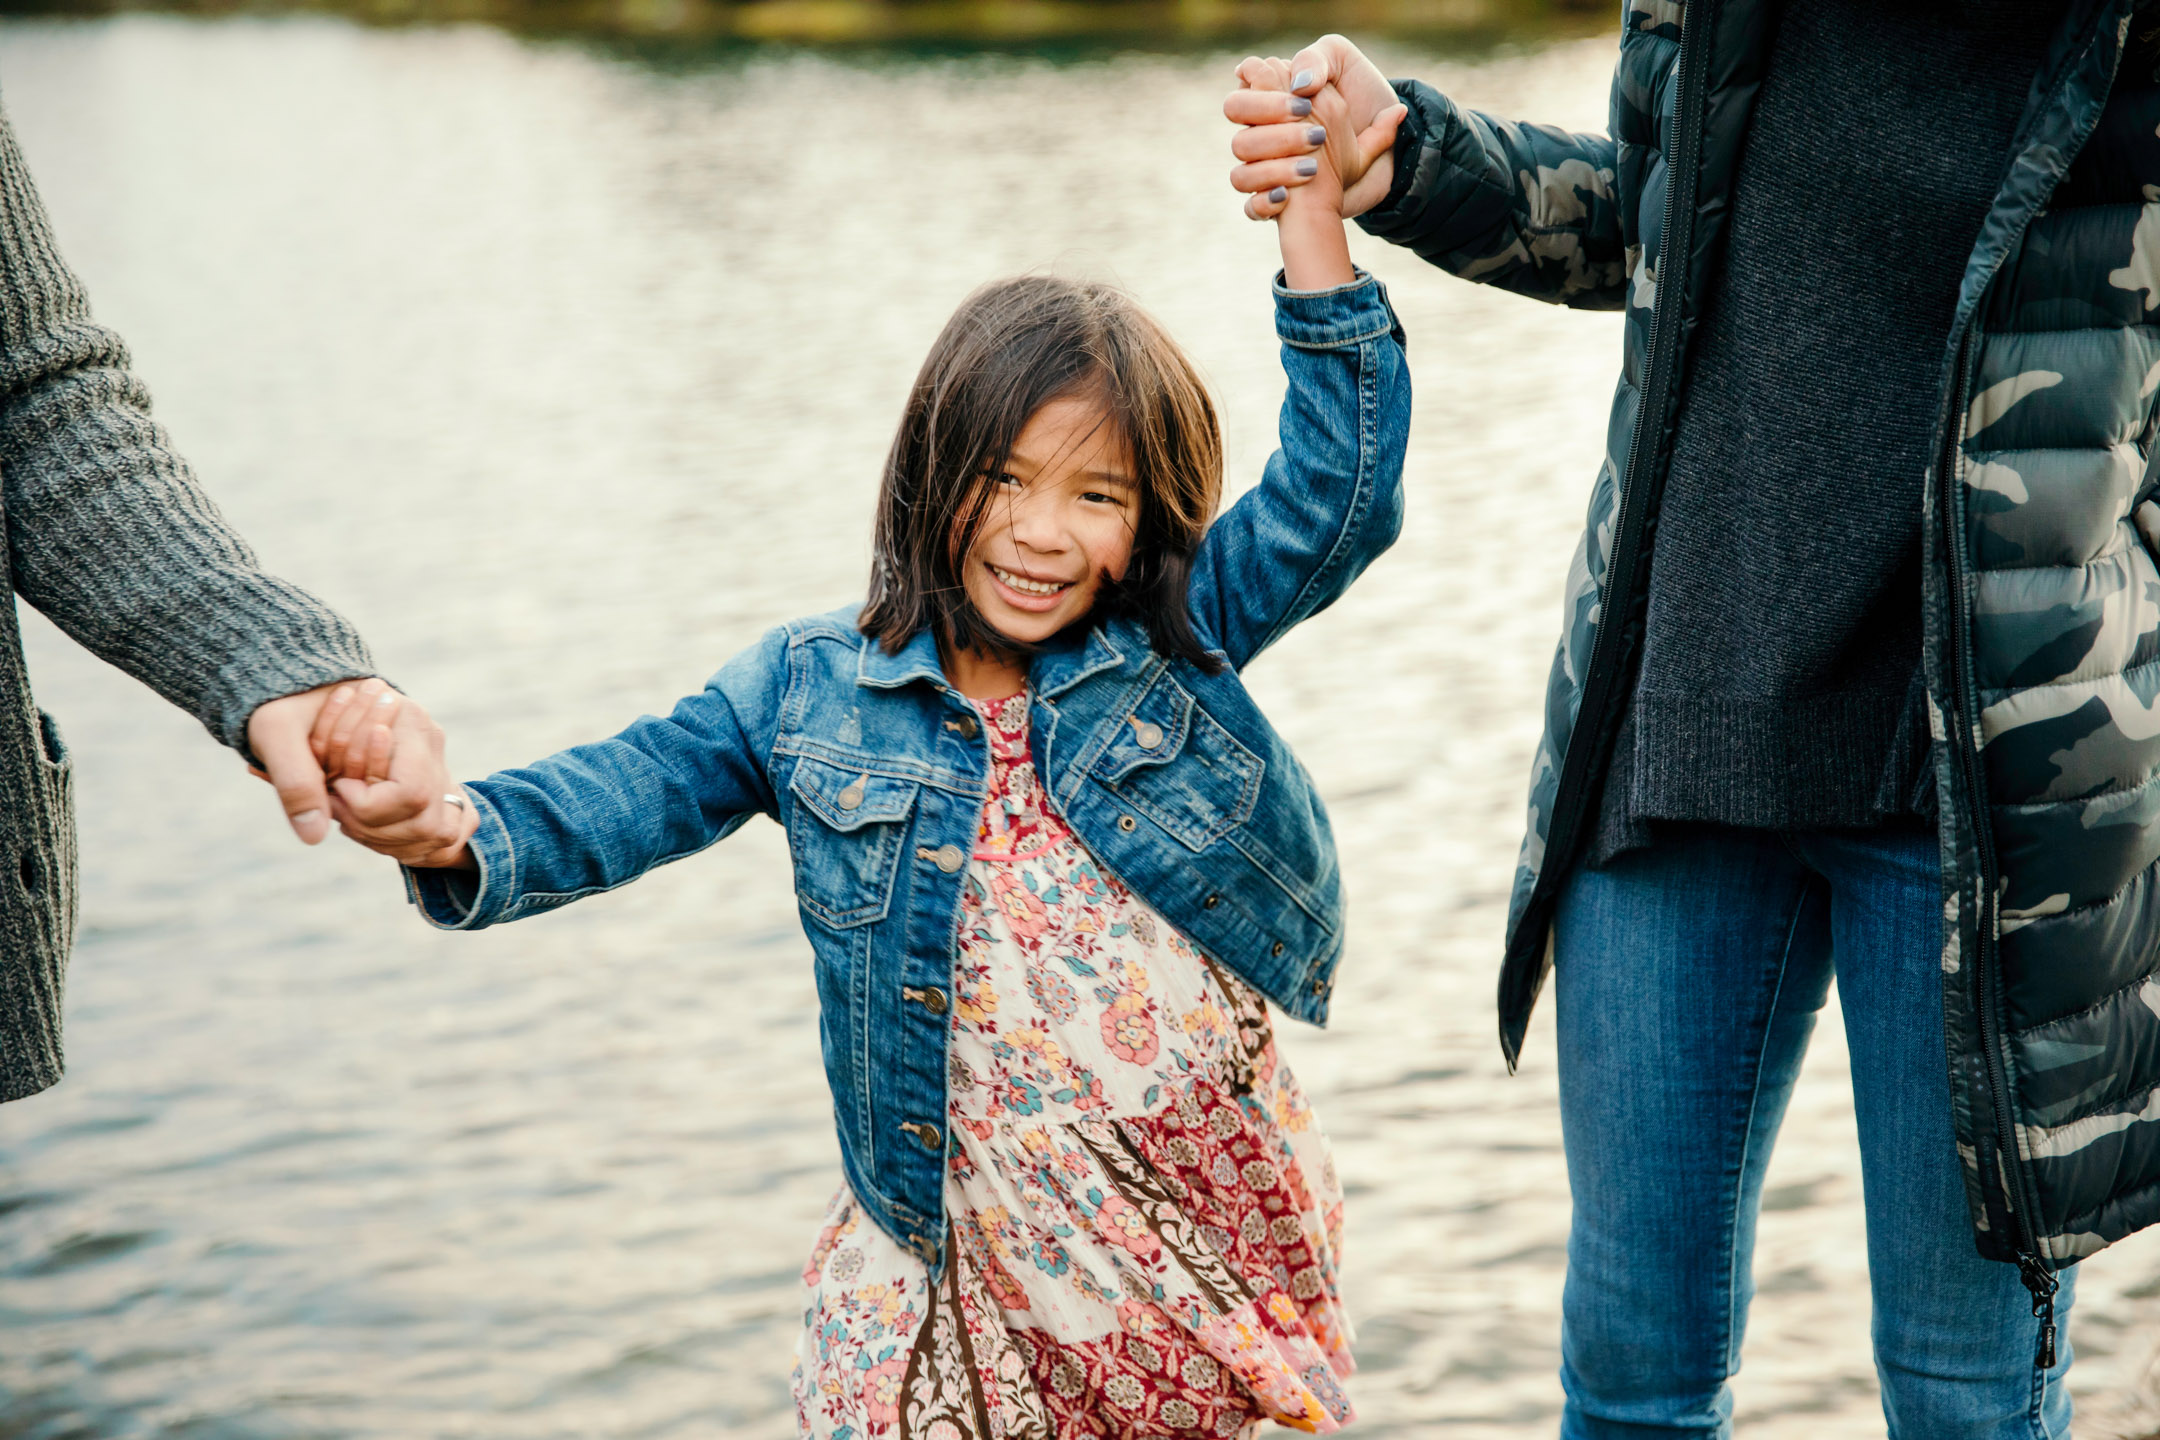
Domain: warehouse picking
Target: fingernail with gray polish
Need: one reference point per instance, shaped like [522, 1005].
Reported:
[1277, 195]
[1300, 80]
[1308, 166]
[1300, 107]
[1315, 134]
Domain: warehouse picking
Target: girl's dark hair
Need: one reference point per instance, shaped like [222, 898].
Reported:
[1012, 347]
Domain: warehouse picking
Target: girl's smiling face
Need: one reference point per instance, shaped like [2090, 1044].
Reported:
[1112, 470]
[1056, 521]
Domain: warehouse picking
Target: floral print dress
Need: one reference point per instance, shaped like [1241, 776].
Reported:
[1145, 1222]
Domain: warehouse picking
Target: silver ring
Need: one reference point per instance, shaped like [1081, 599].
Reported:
[453, 798]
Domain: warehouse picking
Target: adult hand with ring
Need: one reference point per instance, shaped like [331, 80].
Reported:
[417, 814]
[301, 742]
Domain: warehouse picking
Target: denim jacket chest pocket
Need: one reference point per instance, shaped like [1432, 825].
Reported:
[845, 833]
[1170, 760]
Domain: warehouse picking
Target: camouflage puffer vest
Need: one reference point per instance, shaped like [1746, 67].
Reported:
[2041, 592]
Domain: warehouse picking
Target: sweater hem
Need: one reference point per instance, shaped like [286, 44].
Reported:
[20, 1080]
[1815, 763]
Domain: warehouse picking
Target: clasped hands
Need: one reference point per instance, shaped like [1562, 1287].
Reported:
[370, 760]
[1325, 115]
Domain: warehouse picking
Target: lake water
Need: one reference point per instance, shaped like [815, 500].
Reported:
[566, 373]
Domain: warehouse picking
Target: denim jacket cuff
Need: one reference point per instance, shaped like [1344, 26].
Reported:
[1335, 319]
[466, 899]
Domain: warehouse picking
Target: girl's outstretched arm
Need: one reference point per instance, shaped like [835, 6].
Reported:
[587, 819]
[1330, 499]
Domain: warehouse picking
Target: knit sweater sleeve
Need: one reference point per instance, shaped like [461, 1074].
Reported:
[108, 531]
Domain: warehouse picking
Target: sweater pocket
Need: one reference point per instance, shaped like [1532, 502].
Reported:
[45, 858]
[39, 915]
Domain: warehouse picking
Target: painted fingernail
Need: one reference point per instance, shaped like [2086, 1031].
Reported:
[1277, 195]
[1314, 134]
[388, 697]
[1300, 107]
[1300, 80]
[1308, 166]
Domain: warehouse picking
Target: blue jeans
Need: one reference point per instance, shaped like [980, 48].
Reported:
[1687, 977]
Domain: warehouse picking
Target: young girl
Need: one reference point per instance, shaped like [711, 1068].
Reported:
[1052, 863]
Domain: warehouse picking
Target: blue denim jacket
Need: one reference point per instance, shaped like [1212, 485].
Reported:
[877, 767]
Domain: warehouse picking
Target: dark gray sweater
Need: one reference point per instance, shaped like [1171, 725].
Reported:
[108, 534]
[1779, 684]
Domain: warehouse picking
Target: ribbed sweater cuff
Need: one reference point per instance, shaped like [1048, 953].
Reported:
[1777, 764]
[316, 650]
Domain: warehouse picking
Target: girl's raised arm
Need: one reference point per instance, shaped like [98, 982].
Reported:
[1330, 499]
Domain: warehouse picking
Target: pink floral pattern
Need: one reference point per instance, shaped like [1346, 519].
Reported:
[1145, 1222]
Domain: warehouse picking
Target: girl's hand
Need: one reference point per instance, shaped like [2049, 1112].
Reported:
[352, 735]
[1309, 226]
[413, 811]
[1330, 100]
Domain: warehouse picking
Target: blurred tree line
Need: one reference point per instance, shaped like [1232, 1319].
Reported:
[1147, 23]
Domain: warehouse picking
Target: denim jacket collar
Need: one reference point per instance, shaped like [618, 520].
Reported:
[1057, 669]
[916, 660]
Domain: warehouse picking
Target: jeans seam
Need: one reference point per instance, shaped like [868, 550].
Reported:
[2036, 1419]
[1747, 1135]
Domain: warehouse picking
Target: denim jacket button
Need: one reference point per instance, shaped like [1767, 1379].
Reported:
[930, 998]
[1126, 823]
[1146, 735]
[949, 858]
[1278, 948]
[1211, 902]
[967, 727]
[851, 797]
[929, 1135]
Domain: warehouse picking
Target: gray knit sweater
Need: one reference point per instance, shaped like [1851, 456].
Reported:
[1780, 680]
[108, 534]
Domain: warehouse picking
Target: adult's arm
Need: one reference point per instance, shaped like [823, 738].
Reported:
[1529, 208]
[108, 532]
